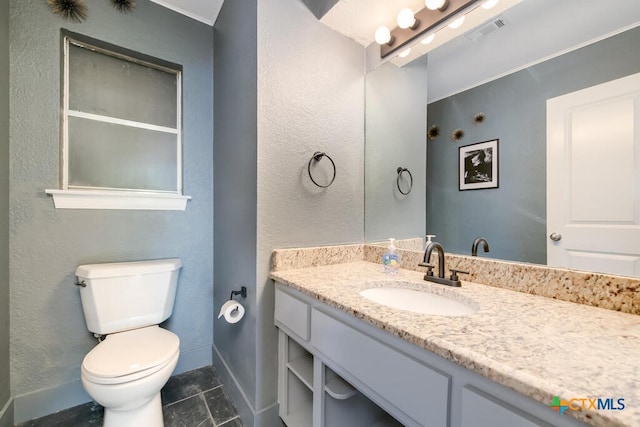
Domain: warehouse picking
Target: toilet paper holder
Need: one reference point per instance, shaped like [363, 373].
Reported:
[242, 292]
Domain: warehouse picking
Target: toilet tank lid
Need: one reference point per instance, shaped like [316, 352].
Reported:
[119, 269]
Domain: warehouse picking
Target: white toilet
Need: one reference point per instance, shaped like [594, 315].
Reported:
[124, 373]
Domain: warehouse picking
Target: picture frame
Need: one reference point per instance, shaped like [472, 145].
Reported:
[478, 166]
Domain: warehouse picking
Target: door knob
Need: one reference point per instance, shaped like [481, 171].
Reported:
[555, 237]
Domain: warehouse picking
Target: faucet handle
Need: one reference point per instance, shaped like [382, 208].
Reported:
[429, 268]
[454, 273]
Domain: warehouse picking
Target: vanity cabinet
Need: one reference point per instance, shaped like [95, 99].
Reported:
[310, 393]
[336, 370]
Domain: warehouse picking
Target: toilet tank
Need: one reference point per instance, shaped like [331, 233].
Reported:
[127, 295]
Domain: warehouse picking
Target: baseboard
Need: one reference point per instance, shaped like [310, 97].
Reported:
[7, 415]
[269, 417]
[193, 358]
[265, 417]
[50, 400]
[233, 389]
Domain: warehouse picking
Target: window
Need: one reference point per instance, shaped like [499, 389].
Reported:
[121, 131]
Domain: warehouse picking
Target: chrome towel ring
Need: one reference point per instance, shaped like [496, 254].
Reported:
[317, 156]
[401, 171]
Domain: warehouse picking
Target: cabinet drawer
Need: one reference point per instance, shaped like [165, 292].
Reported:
[292, 314]
[415, 389]
[482, 410]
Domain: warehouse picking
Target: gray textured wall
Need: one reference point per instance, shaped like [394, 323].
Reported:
[5, 385]
[48, 333]
[310, 96]
[235, 190]
[396, 122]
[512, 217]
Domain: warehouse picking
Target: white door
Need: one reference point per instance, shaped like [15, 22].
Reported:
[593, 178]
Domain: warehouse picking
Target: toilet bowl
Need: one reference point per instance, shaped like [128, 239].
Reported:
[123, 304]
[125, 373]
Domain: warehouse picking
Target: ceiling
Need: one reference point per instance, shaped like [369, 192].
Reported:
[533, 30]
[201, 10]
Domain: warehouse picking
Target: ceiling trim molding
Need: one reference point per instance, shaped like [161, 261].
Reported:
[184, 12]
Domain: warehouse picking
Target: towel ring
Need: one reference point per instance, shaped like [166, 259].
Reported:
[317, 156]
[401, 171]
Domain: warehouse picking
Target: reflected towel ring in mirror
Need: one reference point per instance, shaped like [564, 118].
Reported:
[401, 171]
[317, 156]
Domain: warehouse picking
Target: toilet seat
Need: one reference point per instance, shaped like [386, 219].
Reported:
[131, 355]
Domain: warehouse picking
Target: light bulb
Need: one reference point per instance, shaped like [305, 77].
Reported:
[406, 18]
[434, 4]
[404, 53]
[489, 4]
[383, 35]
[457, 23]
[428, 39]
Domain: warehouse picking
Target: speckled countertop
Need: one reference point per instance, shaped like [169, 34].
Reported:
[537, 346]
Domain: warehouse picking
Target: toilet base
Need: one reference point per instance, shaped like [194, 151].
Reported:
[148, 415]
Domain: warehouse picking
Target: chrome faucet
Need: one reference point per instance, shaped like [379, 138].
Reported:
[476, 242]
[452, 280]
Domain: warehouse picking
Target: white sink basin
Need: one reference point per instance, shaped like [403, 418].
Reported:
[418, 301]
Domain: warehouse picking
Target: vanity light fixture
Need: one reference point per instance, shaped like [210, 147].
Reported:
[436, 4]
[405, 53]
[415, 26]
[490, 4]
[383, 36]
[406, 19]
[457, 23]
[428, 39]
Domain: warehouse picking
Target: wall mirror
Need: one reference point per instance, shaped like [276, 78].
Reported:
[507, 75]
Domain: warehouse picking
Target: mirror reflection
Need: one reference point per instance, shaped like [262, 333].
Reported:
[513, 109]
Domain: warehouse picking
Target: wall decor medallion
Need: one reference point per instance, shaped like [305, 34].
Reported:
[124, 6]
[479, 118]
[72, 10]
[433, 132]
[457, 135]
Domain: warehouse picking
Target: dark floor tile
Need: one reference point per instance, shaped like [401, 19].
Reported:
[89, 414]
[191, 412]
[189, 384]
[185, 404]
[220, 406]
[236, 422]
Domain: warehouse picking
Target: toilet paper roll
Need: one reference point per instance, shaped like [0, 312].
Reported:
[232, 311]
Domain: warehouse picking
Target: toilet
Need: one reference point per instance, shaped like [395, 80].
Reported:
[123, 305]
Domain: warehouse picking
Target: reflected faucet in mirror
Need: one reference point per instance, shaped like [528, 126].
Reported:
[518, 224]
[453, 280]
[476, 243]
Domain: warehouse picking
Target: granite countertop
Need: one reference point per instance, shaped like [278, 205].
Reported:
[537, 346]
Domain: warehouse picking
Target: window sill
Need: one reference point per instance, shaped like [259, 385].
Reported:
[105, 199]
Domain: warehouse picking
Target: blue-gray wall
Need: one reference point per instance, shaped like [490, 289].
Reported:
[5, 383]
[512, 217]
[48, 333]
[235, 154]
[309, 83]
[395, 128]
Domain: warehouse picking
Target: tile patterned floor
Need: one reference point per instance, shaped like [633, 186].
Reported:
[192, 399]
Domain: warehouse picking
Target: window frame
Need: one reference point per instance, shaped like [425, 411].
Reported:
[90, 197]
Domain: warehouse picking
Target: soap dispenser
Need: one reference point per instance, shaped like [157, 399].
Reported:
[391, 258]
[428, 241]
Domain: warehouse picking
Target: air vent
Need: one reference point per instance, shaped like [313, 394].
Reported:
[486, 28]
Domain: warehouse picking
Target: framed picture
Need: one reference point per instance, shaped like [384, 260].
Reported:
[478, 166]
